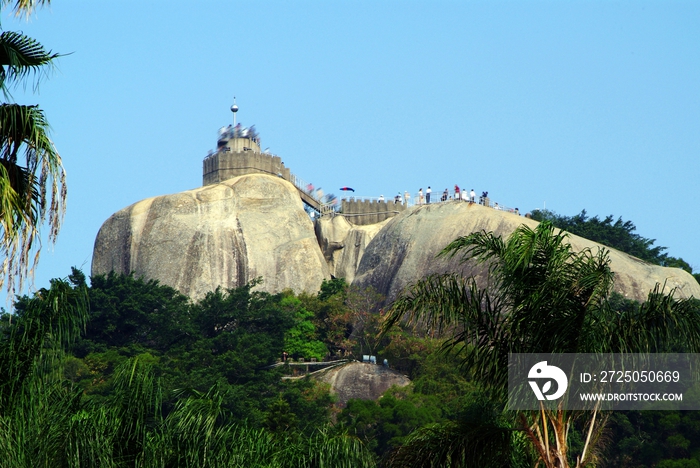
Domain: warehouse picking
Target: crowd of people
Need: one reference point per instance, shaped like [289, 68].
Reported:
[227, 133]
[318, 194]
[423, 197]
[458, 194]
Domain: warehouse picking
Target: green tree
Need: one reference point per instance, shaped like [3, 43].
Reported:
[481, 436]
[131, 312]
[363, 304]
[332, 287]
[385, 423]
[535, 274]
[333, 319]
[32, 179]
[300, 341]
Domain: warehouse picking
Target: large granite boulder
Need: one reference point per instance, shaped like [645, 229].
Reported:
[357, 380]
[218, 235]
[405, 250]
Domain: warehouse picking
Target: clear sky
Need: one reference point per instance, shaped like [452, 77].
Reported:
[566, 104]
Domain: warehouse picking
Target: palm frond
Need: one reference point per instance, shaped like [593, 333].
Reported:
[31, 192]
[661, 324]
[20, 57]
[323, 449]
[438, 301]
[24, 7]
[54, 316]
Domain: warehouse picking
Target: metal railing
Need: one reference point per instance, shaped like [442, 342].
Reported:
[435, 198]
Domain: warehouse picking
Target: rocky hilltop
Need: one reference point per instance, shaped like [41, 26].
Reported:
[254, 225]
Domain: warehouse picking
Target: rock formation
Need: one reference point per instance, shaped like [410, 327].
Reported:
[254, 225]
[404, 251]
[218, 235]
[361, 380]
[344, 243]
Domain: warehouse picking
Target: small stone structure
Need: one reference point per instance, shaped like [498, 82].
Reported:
[363, 212]
[221, 166]
[238, 153]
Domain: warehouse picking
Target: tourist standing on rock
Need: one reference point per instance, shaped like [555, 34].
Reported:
[465, 195]
[427, 195]
[381, 198]
[397, 199]
[406, 197]
[472, 196]
[420, 196]
[445, 195]
[457, 192]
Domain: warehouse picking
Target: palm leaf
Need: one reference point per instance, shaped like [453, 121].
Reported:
[31, 192]
[25, 7]
[54, 316]
[482, 437]
[20, 57]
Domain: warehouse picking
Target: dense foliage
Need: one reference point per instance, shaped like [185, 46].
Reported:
[144, 377]
[158, 381]
[541, 297]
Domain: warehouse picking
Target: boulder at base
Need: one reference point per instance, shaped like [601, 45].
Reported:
[218, 235]
[361, 381]
[405, 251]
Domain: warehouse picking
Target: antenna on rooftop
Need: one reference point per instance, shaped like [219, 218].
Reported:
[234, 109]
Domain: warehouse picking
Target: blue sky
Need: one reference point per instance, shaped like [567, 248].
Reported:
[573, 105]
